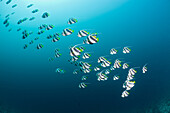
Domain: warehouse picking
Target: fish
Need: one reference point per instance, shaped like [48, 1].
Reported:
[45, 15]
[83, 78]
[82, 33]
[60, 71]
[91, 39]
[112, 68]
[116, 77]
[125, 66]
[49, 27]
[86, 55]
[75, 51]
[35, 11]
[125, 94]
[39, 46]
[67, 32]
[15, 5]
[97, 68]
[57, 55]
[31, 42]
[40, 32]
[6, 21]
[126, 50]
[50, 59]
[30, 5]
[75, 71]
[113, 51]
[9, 1]
[32, 18]
[57, 50]
[55, 39]
[72, 21]
[25, 46]
[130, 84]
[107, 71]
[144, 69]
[49, 36]
[83, 85]
[36, 38]
[42, 26]
[19, 29]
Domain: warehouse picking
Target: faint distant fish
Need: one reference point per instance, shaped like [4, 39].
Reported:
[14, 5]
[57, 50]
[49, 36]
[19, 21]
[25, 31]
[32, 18]
[35, 11]
[42, 26]
[39, 46]
[9, 1]
[72, 21]
[7, 16]
[76, 71]
[112, 68]
[18, 29]
[31, 42]
[10, 30]
[97, 68]
[107, 71]
[12, 13]
[7, 24]
[22, 20]
[30, 33]
[30, 5]
[56, 34]
[25, 46]
[40, 32]
[59, 70]
[50, 59]
[36, 38]
[45, 15]
[84, 78]
[6, 21]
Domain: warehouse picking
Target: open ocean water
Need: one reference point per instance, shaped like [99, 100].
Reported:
[29, 83]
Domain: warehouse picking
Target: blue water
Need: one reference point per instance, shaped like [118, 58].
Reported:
[29, 84]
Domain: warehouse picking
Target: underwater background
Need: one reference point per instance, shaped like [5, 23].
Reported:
[29, 83]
